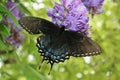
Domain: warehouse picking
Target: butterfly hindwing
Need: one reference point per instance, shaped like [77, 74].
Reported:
[36, 25]
[54, 48]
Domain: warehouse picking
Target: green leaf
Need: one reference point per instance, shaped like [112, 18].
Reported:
[0, 17]
[36, 72]
[4, 30]
[2, 9]
[2, 45]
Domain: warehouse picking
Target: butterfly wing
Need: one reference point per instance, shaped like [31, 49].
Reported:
[84, 46]
[53, 48]
[35, 25]
[90, 48]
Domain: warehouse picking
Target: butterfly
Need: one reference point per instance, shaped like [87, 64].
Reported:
[58, 44]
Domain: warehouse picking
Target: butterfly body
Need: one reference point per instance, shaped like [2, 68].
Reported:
[57, 44]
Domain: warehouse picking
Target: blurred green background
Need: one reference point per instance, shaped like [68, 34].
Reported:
[22, 63]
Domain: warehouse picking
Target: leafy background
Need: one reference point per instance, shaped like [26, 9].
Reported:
[22, 63]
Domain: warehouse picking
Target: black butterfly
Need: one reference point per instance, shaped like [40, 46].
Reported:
[57, 44]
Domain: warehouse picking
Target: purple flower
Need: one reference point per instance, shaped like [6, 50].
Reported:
[94, 6]
[16, 37]
[15, 11]
[70, 13]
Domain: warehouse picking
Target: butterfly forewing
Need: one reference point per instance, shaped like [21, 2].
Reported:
[36, 25]
[86, 47]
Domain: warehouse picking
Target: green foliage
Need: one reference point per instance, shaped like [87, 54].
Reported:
[4, 30]
[0, 17]
[22, 8]
[22, 63]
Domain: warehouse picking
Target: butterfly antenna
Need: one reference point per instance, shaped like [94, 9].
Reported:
[50, 68]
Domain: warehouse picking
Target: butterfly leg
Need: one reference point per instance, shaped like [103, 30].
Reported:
[41, 63]
[51, 65]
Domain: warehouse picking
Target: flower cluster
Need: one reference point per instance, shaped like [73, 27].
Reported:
[12, 7]
[16, 37]
[94, 6]
[73, 14]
